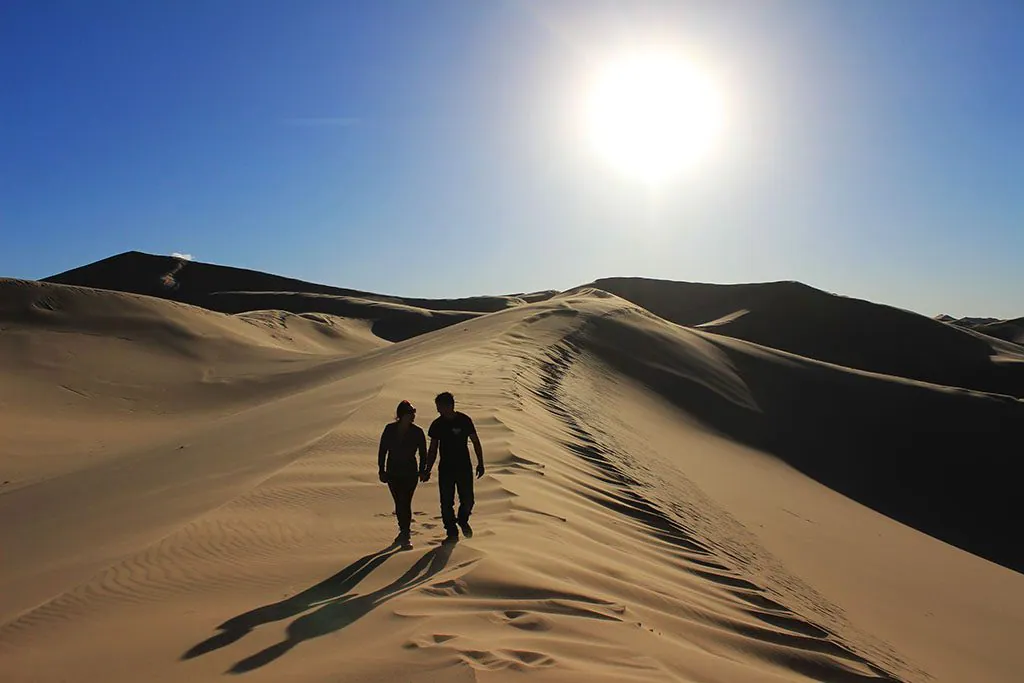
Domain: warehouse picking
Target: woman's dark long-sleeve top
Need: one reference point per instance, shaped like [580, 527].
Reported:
[397, 453]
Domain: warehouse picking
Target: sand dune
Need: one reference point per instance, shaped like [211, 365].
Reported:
[387, 320]
[194, 493]
[1007, 330]
[893, 444]
[194, 282]
[235, 290]
[793, 317]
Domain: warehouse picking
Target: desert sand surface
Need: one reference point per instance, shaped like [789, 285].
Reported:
[697, 483]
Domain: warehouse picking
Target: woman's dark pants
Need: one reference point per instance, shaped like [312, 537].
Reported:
[402, 488]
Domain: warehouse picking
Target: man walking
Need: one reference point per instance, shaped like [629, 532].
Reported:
[451, 431]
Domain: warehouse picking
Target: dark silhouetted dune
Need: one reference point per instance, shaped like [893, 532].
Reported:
[235, 290]
[899, 446]
[1007, 330]
[974, 321]
[194, 282]
[793, 317]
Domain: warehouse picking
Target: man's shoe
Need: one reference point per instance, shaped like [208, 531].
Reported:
[467, 530]
[404, 540]
[452, 537]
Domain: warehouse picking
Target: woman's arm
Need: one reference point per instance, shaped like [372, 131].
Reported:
[422, 448]
[382, 453]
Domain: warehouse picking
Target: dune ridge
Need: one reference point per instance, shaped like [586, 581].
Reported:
[193, 281]
[1007, 330]
[793, 317]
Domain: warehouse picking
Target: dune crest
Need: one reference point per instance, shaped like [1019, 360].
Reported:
[793, 317]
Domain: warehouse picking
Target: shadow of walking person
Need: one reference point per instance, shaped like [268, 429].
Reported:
[332, 588]
[335, 615]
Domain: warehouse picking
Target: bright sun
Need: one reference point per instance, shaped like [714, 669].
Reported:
[653, 115]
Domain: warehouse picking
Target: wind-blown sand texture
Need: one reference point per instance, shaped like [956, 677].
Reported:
[685, 483]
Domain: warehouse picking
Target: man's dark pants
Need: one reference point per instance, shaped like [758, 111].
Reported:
[450, 480]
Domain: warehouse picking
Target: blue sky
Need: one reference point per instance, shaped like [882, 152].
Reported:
[873, 148]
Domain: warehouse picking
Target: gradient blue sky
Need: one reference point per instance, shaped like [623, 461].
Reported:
[874, 148]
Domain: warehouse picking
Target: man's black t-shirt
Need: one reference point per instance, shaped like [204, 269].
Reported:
[453, 435]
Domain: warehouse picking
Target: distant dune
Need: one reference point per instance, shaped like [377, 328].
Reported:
[685, 482]
[1007, 330]
[793, 317]
[1010, 330]
[192, 281]
[235, 290]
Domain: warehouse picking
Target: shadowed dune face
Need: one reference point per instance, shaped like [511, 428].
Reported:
[1008, 330]
[391, 321]
[192, 281]
[937, 459]
[235, 290]
[793, 317]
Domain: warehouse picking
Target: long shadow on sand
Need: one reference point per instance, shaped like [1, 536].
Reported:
[333, 605]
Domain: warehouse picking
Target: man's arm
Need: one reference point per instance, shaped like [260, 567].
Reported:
[479, 454]
[382, 452]
[431, 457]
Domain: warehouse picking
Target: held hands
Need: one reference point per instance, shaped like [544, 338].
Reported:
[425, 474]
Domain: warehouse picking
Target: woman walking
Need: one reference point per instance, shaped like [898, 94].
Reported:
[396, 461]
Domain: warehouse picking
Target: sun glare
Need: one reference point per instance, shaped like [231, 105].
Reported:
[653, 115]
